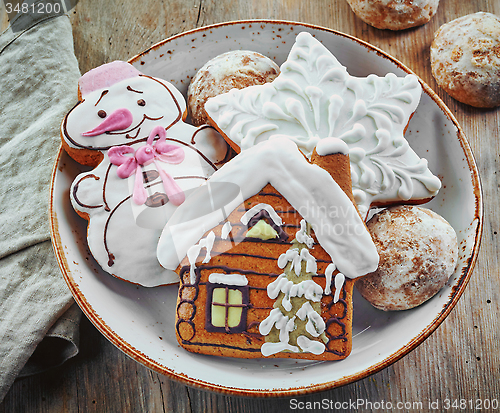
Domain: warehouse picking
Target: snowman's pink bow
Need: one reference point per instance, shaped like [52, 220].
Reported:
[150, 152]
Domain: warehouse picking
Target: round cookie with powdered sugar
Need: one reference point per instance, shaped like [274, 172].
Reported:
[394, 14]
[418, 253]
[465, 59]
[236, 69]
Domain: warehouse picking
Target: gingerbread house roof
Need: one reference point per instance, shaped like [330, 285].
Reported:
[310, 189]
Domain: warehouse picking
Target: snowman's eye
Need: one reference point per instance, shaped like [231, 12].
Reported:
[141, 102]
[102, 114]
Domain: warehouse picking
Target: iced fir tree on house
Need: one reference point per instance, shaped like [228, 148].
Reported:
[295, 322]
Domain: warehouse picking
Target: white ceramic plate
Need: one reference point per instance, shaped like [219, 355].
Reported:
[140, 321]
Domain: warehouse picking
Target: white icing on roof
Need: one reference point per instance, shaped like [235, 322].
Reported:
[194, 251]
[328, 146]
[309, 189]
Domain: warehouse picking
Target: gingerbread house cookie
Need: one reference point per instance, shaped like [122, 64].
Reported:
[130, 128]
[267, 253]
[315, 97]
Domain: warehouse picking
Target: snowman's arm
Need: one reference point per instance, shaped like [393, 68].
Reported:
[211, 143]
[87, 193]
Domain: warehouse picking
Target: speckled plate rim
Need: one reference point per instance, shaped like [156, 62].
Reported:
[142, 358]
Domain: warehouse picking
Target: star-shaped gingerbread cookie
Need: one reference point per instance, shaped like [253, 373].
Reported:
[314, 98]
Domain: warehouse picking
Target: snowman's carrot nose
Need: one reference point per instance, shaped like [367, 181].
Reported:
[117, 120]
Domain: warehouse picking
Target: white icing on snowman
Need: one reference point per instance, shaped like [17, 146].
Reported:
[152, 160]
[314, 98]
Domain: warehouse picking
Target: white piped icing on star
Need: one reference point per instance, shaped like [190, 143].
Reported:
[314, 98]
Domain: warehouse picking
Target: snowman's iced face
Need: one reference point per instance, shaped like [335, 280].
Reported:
[123, 114]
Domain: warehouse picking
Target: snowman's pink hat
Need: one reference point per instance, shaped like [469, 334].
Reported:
[105, 76]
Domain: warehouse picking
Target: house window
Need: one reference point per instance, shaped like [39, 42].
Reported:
[226, 308]
[263, 225]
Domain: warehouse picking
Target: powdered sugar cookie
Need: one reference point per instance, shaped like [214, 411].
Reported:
[465, 59]
[394, 14]
[235, 69]
[131, 126]
[418, 253]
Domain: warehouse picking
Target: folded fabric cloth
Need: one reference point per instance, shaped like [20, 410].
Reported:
[59, 344]
[38, 78]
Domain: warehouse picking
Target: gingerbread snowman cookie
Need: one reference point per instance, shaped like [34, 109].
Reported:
[146, 160]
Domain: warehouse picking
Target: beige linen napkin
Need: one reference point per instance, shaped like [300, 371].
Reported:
[38, 85]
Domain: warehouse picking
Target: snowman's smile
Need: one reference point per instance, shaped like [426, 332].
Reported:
[126, 133]
[144, 118]
[120, 130]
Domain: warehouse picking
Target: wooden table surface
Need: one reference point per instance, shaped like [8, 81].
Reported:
[460, 360]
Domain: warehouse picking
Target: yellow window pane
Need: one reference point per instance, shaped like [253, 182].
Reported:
[262, 230]
[235, 297]
[218, 316]
[218, 311]
[234, 313]
[234, 316]
[219, 295]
